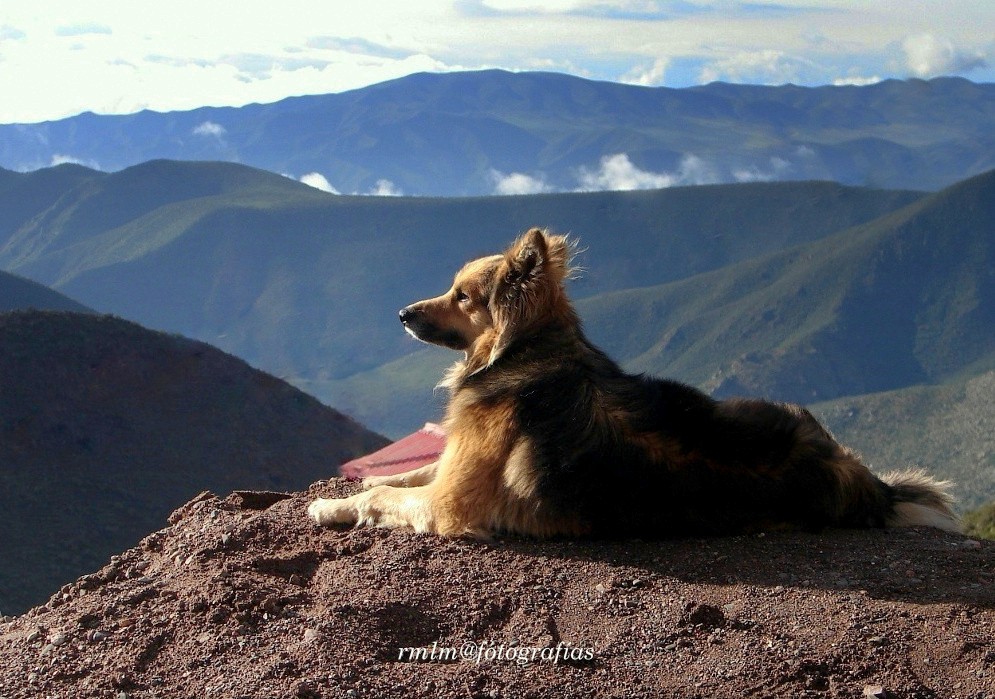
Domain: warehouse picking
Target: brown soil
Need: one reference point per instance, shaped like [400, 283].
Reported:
[244, 597]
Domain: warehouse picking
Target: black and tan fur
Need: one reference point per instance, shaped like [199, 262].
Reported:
[547, 436]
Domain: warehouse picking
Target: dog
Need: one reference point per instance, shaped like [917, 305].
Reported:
[548, 437]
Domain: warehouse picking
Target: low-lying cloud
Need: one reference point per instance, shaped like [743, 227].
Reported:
[518, 183]
[648, 76]
[617, 172]
[382, 188]
[776, 169]
[63, 159]
[385, 188]
[318, 181]
[210, 128]
[766, 67]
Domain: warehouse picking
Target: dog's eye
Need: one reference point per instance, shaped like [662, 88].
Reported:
[461, 296]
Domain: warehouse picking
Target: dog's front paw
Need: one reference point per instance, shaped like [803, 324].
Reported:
[328, 511]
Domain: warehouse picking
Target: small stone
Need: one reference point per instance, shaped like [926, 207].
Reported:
[971, 544]
[878, 641]
[98, 635]
[58, 639]
[312, 635]
[874, 691]
[600, 588]
[702, 615]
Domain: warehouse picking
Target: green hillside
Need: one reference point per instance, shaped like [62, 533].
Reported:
[306, 284]
[26, 195]
[905, 299]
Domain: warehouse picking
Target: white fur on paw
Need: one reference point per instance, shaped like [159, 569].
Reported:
[374, 481]
[328, 511]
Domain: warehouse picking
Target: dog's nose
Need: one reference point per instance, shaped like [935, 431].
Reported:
[406, 314]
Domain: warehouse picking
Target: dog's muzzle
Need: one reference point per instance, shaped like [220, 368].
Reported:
[419, 327]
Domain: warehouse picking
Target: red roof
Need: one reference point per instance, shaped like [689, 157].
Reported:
[418, 449]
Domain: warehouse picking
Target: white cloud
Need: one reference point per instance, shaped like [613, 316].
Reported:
[777, 169]
[62, 159]
[209, 128]
[648, 76]
[617, 172]
[318, 181]
[518, 183]
[769, 67]
[857, 80]
[694, 170]
[385, 188]
[927, 55]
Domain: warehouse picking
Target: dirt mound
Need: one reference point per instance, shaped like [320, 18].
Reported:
[106, 427]
[244, 597]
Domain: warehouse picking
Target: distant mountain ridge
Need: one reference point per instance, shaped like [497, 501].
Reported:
[458, 134]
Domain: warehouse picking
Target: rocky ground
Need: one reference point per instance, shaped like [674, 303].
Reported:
[243, 597]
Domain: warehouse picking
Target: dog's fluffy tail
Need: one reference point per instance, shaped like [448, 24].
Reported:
[920, 500]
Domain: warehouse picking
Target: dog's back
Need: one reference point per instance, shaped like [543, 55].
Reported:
[638, 456]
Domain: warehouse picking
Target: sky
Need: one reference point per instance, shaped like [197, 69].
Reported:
[59, 58]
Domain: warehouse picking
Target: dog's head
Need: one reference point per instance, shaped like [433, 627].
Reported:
[497, 299]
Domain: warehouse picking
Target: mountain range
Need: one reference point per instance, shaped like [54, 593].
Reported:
[474, 133]
[861, 302]
[306, 285]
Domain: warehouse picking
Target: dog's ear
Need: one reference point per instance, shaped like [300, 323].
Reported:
[538, 255]
[528, 284]
[526, 258]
